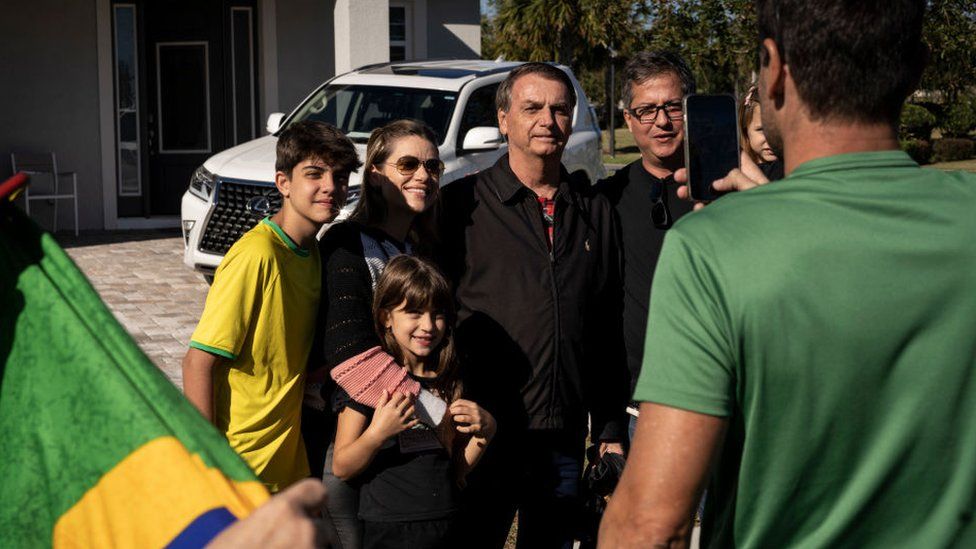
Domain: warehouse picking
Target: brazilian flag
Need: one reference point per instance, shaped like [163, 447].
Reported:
[99, 448]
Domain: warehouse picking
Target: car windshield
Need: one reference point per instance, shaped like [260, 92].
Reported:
[358, 110]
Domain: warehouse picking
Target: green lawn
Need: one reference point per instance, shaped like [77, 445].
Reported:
[626, 149]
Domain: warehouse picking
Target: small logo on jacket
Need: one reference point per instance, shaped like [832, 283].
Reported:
[586, 244]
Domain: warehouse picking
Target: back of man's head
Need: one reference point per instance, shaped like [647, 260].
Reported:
[852, 60]
[650, 64]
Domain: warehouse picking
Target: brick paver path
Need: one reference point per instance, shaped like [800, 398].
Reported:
[141, 277]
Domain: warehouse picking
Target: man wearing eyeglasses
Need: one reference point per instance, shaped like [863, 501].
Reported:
[643, 192]
[535, 261]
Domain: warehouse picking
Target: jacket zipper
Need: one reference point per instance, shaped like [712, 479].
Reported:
[555, 301]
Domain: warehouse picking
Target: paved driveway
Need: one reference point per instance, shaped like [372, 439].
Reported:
[141, 277]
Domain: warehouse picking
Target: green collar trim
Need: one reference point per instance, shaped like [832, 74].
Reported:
[861, 160]
[302, 252]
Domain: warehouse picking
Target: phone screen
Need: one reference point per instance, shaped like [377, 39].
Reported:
[711, 142]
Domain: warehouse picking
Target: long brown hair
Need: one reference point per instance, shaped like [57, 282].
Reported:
[419, 286]
[372, 209]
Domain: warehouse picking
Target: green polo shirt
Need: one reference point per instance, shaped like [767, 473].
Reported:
[831, 317]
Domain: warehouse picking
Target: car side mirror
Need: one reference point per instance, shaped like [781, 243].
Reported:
[274, 121]
[482, 138]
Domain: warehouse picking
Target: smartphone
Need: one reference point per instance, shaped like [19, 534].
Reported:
[711, 142]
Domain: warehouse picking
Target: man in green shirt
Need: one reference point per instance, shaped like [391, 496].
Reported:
[811, 344]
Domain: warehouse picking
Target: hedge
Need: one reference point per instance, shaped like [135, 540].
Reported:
[919, 149]
[960, 118]
[953, 148]
[916, 122]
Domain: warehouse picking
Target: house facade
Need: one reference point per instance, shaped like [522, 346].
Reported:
[133, 95]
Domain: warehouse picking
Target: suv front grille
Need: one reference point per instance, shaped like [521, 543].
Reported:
[236, 211]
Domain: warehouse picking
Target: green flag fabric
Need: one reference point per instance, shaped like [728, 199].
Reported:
[99, 448]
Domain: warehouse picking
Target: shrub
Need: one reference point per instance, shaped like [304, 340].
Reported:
[953, 148]
[916, 122]
[919, 149]
[960, 118]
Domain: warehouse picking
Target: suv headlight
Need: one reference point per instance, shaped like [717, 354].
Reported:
[202, 183]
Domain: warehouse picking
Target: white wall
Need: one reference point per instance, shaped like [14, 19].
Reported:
[362, 33]
[454, 28]
[49, 98]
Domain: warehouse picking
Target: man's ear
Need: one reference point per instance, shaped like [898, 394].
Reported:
[503, 122]
[283, 183]
[776, 72]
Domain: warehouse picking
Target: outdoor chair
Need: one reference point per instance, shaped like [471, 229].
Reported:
[41, 167]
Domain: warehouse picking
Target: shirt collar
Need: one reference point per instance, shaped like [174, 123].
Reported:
[506, 185]
[285, 238]
[860, 160]
[638, 173]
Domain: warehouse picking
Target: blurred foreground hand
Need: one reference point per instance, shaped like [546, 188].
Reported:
[286, 520]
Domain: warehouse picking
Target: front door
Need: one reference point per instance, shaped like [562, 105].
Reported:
[197, 95]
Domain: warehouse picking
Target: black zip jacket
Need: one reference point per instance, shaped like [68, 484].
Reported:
[539, 332]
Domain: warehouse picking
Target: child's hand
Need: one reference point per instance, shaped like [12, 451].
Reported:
[472, 419]
[393, 415]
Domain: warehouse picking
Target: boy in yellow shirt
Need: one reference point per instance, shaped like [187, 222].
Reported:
[245, 369]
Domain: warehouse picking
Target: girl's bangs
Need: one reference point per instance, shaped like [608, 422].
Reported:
[425, 293]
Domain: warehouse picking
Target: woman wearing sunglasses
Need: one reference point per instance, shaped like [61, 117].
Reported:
[396, 215]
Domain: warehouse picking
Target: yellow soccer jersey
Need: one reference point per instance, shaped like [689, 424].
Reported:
[260, 315]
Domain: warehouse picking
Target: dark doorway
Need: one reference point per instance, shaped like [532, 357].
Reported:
[185, 89]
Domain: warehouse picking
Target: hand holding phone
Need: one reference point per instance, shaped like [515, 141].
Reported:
[711, 142]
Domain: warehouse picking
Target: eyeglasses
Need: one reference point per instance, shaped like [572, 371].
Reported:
[647, 114]
[660, 213]
[408, 165]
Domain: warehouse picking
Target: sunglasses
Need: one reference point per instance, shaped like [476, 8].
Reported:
[660, 213]
[408, 165]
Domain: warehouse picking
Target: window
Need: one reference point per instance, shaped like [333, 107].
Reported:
[480, 111]
[399, 32]
[126, 68]
[242, 73]
[358, 110]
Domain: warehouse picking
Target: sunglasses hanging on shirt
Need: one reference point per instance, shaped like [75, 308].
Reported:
[660, 213]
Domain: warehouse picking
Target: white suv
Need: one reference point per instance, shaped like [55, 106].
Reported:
[235, 188]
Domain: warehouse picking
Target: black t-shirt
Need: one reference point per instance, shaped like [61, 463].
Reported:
[629, 191]
[410, 478]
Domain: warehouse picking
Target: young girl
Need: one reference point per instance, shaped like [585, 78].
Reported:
[409, 472]
[391, 218]
[753, 138]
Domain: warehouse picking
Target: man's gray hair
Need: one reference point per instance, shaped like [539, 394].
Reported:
[503, 97]
[648, 64]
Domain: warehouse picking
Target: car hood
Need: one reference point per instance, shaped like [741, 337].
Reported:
[255, 160]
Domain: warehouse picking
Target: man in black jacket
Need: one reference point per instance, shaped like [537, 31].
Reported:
[643, 192]
[535, 260]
